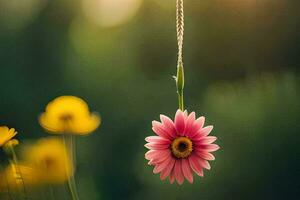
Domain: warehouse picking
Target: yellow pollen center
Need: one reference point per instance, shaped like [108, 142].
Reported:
[182, 147]
[49, 162]
[66, 117]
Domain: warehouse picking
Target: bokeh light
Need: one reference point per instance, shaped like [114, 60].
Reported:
[15, 14]
[109, 13]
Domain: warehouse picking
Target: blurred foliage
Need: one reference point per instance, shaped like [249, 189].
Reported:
[242, 73]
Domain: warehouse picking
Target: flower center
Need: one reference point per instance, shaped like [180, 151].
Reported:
[182, 147]
[66, 117]
[49, 162]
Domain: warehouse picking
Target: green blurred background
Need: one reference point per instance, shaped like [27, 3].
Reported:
[242, 72]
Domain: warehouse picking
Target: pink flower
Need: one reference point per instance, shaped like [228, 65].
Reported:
[180, 148]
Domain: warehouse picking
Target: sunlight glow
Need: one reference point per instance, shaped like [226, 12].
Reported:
[109, 13]
[16, 14]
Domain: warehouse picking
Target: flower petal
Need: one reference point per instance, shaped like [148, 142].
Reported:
[187, 170]
[197, 126]
[195, 165]
[206, 131]
[205, 164]
[158, 139]
[156, 146]
[166, 172]
[205, 140]
[207, 148]
[161, 166]
[185, 113]
[169, 124]
[156, 156]
[179, 122]
[157, 127]
[149, 154]
[189, 123]
[205, 155]
[178, 172]
[172, 176]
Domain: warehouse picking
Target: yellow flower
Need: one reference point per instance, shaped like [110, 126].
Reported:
[50, 160]
[17, 176]
[69, 114]
[13, 142]
[6, 134]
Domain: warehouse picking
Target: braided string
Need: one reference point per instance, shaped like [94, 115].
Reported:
[180, 29]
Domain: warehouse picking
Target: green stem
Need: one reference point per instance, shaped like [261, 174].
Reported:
[51, 190]
[6, 182]
[15, 163]
[180, 85]
[72, 187]
[180, 102]
[69, 142]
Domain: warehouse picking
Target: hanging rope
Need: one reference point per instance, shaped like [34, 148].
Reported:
[180, 71]
[180, 28]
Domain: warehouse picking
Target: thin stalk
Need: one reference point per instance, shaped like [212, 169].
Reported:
[51, 190]
[180, 85]
[180, 102]
[15, 163]
[7, 184]
[69, 143]
[73, 152]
